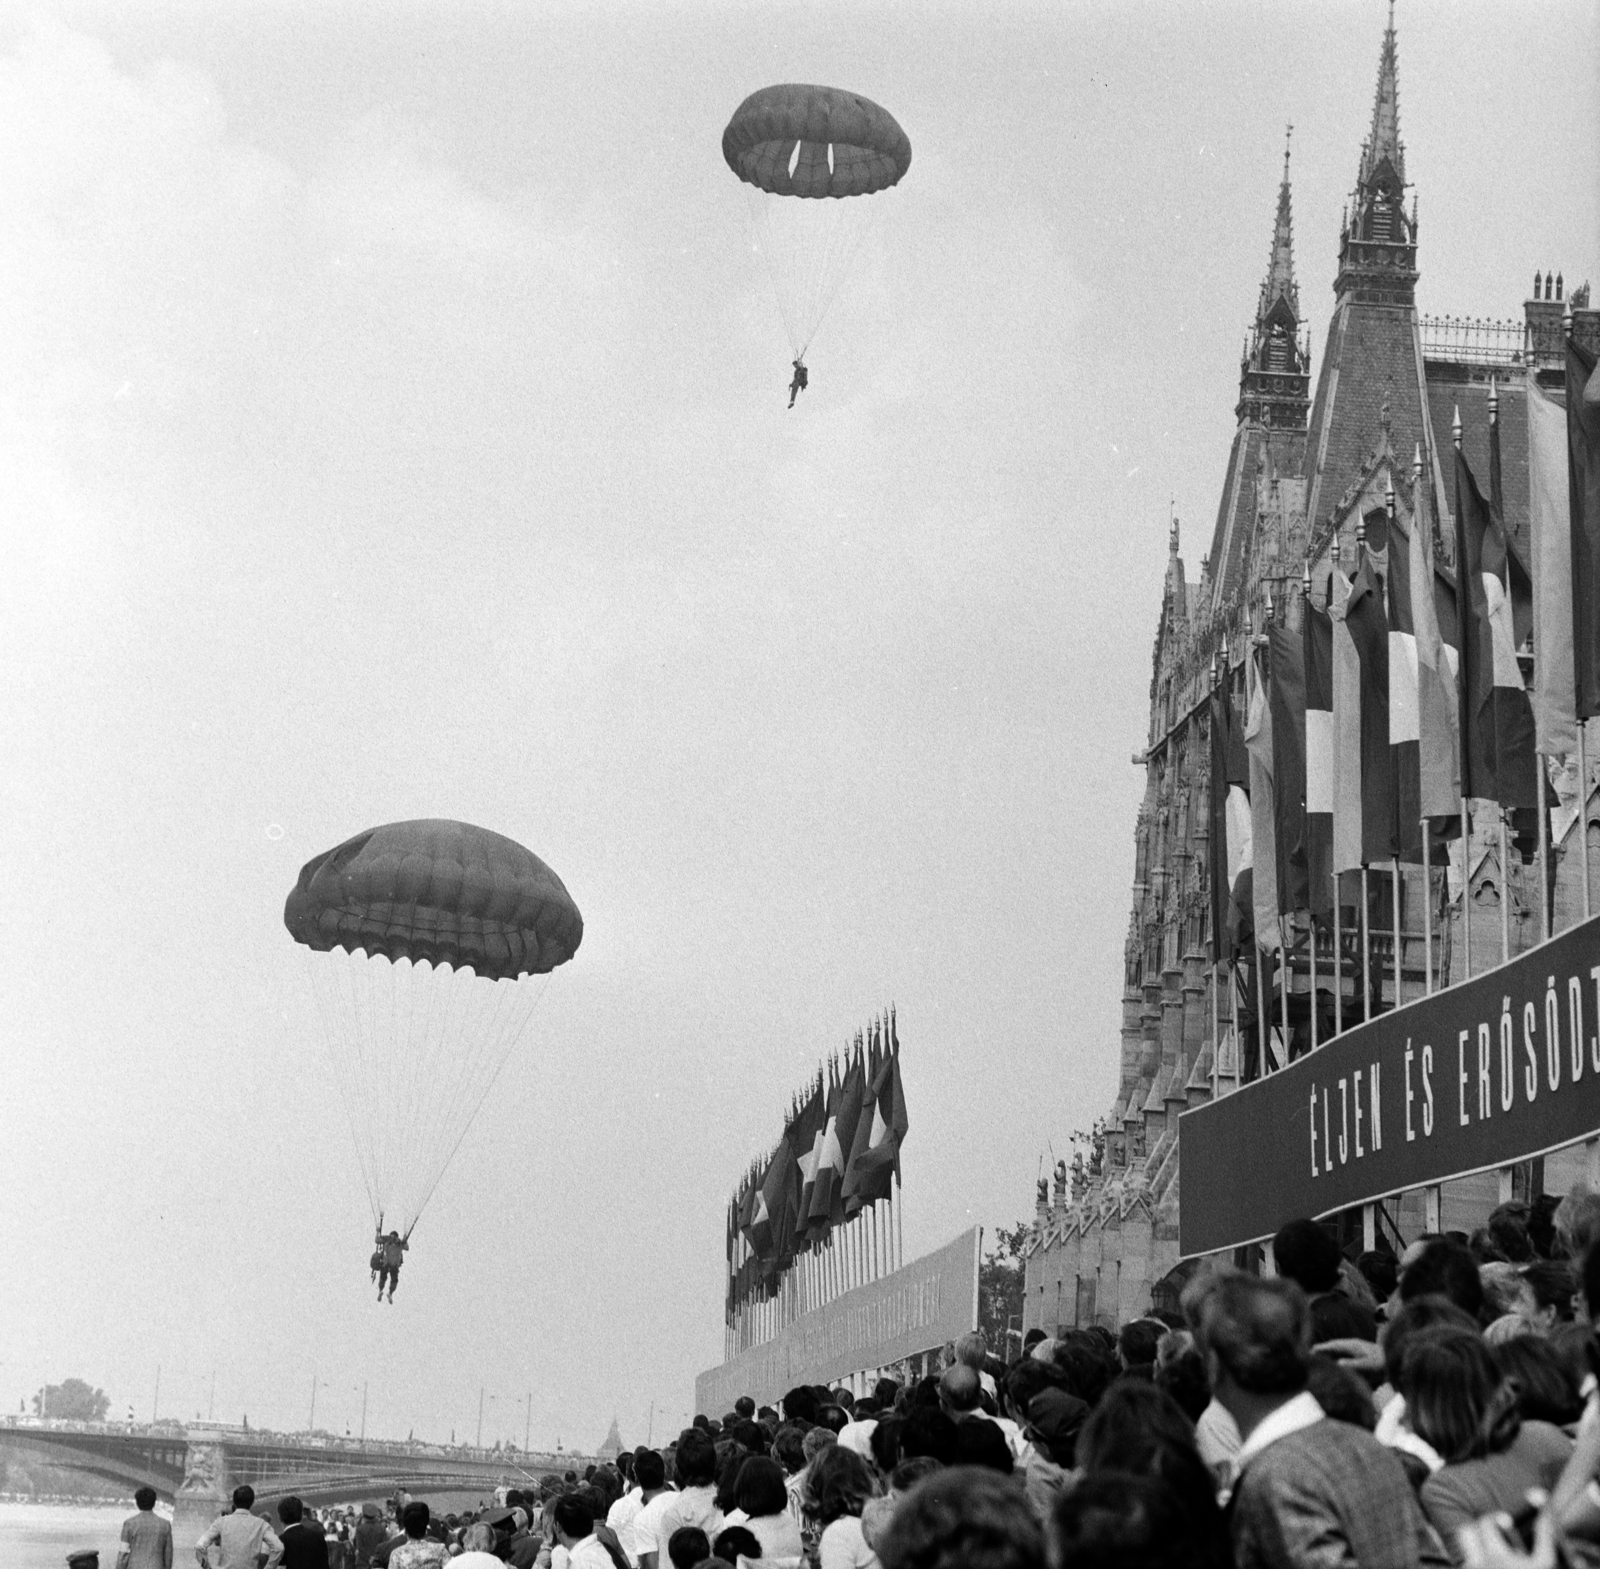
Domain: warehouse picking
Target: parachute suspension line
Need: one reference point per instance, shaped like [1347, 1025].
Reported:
[502, 1054]
[327, 997]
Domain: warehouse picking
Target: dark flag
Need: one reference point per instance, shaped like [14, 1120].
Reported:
[771, 1199]
[1405, 727]
[1583, 460]
[1287, 695]
[1369, 631]
[880, 1163]
[852, 1094]
[806, 1139]
[854, 1173]
[1317, 636]
[1497, 735]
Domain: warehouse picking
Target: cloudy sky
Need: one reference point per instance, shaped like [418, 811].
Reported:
[392, 425]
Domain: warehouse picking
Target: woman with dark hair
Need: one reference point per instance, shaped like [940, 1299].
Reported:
[838, 1486]
[961, 1518]
[417, 1551]
[1458, 1402]
[1546, 1389]
[761, 1506]
[1140, 1429]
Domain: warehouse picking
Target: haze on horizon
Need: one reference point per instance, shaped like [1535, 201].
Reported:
[392, 425]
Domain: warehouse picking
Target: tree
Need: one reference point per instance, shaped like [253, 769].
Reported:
[1000, 1291]
[72, 1401]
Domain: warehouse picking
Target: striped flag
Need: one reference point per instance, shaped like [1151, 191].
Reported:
[1369, 631]
[1229, 849]
[1263, 828]
[1317, 634]
[1404, 730]
[1286, 694]
[1438, 748]
[1347, 830]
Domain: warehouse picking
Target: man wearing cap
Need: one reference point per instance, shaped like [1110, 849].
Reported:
[1054, 1418]
[370, 1535]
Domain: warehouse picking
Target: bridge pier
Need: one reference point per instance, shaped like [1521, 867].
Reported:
[207, 1492]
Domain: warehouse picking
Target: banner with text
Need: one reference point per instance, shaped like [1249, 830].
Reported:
[1496, 1069]
[931, 1300]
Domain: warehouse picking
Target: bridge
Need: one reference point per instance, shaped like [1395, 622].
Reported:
[196, 1466]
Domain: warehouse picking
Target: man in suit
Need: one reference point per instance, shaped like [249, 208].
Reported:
[1312, 1493]
[304, 1545]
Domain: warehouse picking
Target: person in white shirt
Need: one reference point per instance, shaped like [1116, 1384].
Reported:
[763, 1508]
[577, 1545]
[838, 1487]
[477, 1549]
[695, 1502]
[651, 1473]
[243, 1540]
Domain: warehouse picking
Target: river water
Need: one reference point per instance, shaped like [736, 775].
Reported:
[39, 1536]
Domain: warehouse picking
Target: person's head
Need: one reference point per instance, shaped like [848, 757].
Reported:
[1577, 1222]
[1031, 1339]
[1508, 1231]
[815, 1441]
[750, 1436]
[1181, 1372]
[1416, 1316]
[394, 1236]
[624, 1465]
[1306, 1253]
[884, 1443]
[687, 1546]
[971, 1349]
[983, 1444]
[1445, 1269]
[478, 1538]
[1380, 1270]
[414, 1519]
[839, 1483]
[1118, 1520]
[788, 1448]
[697, 1458]
[1552, 1285]
[649, 1470]
[1137, 1342]
[290, 1510]
[1456, 1398]
[1342, 1395]
[1255, 1335]
[760, 1489]
[928, 1431]
[1024, 1381]
[1137, 1427]
[244, 1497]
[574, 1518]
[959, 1390]
[835, 1418]
[1086, 1362]
[745, 1408]
[735, 1542]
[1054, 1419]
[884, 1392]
[800, 1404]
[1546, 1389]
[963, 1518]
[1504, 1290]
[145, 1499]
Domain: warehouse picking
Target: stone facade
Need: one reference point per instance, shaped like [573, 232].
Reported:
[1304, 475]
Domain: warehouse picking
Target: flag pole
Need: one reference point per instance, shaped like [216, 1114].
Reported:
[1285, 924]
[1463, 611]
[1238, 1039]
[1311, 921]
[1338, 964]
[1427, 914]
[1399, 941]
[1542, 774]
[1366, 949]
[1216, 1031]
[1505, 890]
[1261, 1014]
[1583, 810]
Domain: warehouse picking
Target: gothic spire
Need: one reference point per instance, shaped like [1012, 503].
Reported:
[1279, 282]
[1384, 140]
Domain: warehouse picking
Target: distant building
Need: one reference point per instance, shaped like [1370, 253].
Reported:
[1303, 474]
[612, 1447]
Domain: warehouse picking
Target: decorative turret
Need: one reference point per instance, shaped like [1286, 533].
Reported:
[1378, 243]
[1275, 373]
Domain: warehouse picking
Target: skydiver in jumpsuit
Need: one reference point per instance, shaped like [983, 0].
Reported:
[388, 1255]
[798, 385]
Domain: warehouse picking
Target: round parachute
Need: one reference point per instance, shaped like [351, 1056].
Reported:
[427, 943]
[815, 141]
[811, 143]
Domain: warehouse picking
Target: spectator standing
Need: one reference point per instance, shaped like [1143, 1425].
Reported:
[578, 1547]
[477, 1548]
[370, 1535]
[838, 1487]
[417, 1551]
[146, 1538]
[762, 1508]
[241, 1538]
[1306, 1253]
[1311, 1492]
[694, 1504]
[305, 1546]
[958, 1517]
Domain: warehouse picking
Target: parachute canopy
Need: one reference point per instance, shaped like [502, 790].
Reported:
[815, 141]
[440, 892]
[809, 142]
[426, 945]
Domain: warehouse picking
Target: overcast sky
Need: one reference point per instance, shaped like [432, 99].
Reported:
[392, 425]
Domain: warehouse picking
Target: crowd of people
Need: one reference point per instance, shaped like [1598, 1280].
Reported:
[1433, 1408]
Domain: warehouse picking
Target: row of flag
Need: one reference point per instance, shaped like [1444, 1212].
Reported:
[839, 1154]
[1403, 696]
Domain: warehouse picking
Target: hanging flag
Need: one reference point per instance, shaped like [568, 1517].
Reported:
[1404, 727]
[1550, 525]
[852, 1093]
[1317, 657]
[771, 1197]
[1263, 825]
[807, 1143]
[880, 1164]
[852, 1185]
[1347, 827]
[1583, 482]
[1229, 848]
[825, 1149]
[1438, 745]
[1497, 751]
[1369, 632]
[1286, 694]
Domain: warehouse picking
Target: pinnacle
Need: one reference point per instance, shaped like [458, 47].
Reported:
[1384, 140]
[1279, 282]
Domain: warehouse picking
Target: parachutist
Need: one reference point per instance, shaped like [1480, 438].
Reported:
[388, 1255]
[800, 382]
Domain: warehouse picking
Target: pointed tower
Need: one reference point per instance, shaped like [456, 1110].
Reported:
[612, 1447]
[1274, 387]
[1377, 242]
[1275, 376]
